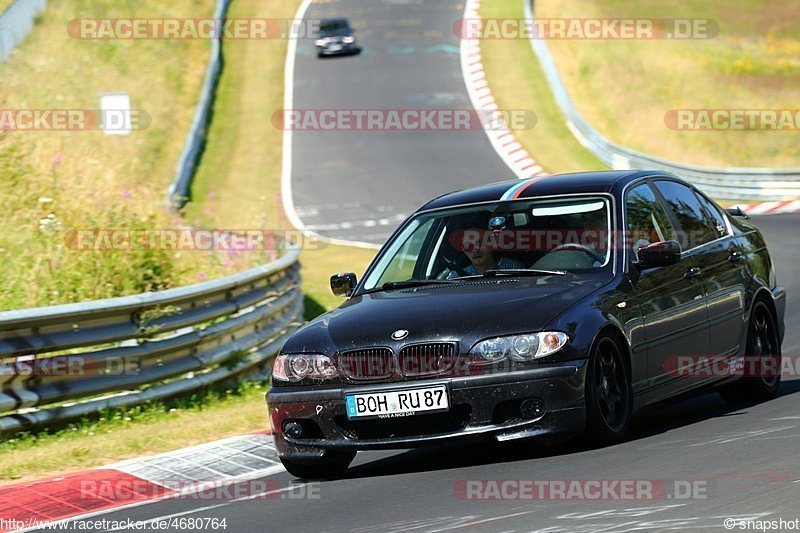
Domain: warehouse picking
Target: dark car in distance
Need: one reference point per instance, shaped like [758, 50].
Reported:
[528, 308]
[336, 37]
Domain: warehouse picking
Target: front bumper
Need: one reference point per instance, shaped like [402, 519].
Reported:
[481, 407]
[334, 50]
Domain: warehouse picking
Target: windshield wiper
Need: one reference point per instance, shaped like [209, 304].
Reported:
[389, 285]
[523, 272]
[519, 272]
[405, 284]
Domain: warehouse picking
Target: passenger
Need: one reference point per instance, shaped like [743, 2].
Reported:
[481, 260]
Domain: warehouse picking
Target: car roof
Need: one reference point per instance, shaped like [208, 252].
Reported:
[601, 181]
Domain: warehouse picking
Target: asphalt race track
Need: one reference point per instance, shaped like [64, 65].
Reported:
[746, 458]
[359, 185]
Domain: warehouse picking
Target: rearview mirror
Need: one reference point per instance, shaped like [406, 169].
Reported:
[659, 254]
[343, 284]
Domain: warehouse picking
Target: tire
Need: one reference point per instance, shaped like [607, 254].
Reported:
[762, 342]
[332, 465]
[609, 396]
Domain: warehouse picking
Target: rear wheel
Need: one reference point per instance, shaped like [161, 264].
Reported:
[763, 355]
[609, 397]
[331, 465]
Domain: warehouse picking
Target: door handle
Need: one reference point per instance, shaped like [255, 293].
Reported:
[692, 273]
[736, 255]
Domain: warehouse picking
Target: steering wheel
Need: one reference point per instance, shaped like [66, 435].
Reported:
[580, 248]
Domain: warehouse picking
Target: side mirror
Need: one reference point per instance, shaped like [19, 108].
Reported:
[738, 212]
[343, 284]
[659, 254]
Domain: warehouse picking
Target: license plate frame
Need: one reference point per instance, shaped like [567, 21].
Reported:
[442, 404]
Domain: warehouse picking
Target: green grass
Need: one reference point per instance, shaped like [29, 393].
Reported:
[517, 82]
[625, 88]
[55, 181]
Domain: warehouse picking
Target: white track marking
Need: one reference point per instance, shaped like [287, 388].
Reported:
[482, 521]
[725, 439]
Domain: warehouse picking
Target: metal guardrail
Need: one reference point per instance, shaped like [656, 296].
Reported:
[180, 189]
[764, 184]
[16, 22]
[123, 352]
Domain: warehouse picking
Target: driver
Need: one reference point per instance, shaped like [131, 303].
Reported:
[480, 260]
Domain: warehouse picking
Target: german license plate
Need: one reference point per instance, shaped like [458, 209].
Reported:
[397, 403]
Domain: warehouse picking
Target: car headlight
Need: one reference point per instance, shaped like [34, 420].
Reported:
[295, 367]
[526, 347]
[349, 39]
[322, 42]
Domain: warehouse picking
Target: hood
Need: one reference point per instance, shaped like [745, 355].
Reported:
[466, 313]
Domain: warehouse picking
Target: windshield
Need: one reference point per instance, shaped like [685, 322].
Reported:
[339, 27]
[556, 234]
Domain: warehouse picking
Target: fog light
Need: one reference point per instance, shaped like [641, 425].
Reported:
[533, 408]
[292, 429]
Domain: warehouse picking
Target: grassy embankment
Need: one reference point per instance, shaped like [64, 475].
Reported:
[52, 182]
[625, 88]
[517, 82]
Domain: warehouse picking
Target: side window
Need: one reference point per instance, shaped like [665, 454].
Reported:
[400, 263]
[646, 220]
[695, 224]
[718, 218]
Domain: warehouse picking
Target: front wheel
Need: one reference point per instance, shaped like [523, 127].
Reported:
[763, 357]
[331, 465]
[609, 396]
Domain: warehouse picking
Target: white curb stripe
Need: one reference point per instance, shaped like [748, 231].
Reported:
[502, 139]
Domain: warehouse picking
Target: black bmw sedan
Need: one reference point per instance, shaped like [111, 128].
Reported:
[336, 37]
[555, 305]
